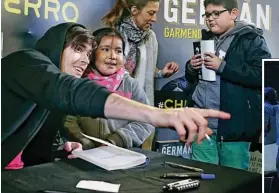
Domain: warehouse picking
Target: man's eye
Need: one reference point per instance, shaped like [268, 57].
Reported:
[205, 15]
[79, 48]
[216, 13]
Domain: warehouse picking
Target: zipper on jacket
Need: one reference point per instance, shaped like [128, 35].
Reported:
[249, 105]
[222, 141]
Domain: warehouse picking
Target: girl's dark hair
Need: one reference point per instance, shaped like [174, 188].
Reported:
[78, 35]
[122, 9]
[98, 35]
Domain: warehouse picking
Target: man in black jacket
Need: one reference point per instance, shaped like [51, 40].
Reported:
[40, 85]
[237, 61]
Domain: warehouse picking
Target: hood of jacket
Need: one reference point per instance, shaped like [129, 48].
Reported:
[52, 42]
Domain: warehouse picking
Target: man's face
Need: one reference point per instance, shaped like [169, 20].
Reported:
[218, 19]
[75, 60]
[109, 55]
[145, 17]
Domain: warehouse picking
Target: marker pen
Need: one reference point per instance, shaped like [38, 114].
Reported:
[189, 175]
[184, 166]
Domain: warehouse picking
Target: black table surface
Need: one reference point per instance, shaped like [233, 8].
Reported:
[65, 174]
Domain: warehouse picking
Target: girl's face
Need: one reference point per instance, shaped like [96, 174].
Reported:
[109, 55]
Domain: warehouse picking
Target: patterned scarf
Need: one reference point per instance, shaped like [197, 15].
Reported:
[134, 38]
[111, 82]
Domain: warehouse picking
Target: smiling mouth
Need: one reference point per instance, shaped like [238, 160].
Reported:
[111, 64]
[80, 70]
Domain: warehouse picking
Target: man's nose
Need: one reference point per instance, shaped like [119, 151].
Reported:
[210, 18]
[85, 58]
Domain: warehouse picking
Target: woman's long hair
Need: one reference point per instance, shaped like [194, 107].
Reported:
[122, 9]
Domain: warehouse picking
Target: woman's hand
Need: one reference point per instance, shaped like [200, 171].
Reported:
[169, 69]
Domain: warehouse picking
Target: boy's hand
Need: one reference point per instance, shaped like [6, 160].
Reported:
[211, 61]
[196, 62]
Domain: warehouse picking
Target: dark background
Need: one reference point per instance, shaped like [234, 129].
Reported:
[271, 74]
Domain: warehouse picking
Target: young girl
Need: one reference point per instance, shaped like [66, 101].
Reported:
[134, 19]
[106, 69]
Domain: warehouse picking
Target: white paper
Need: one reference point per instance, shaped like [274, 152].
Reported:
[109, 144]
[111, 157]
[99, 140]
[98, 185]
[207, 46]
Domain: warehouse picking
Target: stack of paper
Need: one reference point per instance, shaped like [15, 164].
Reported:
[111, 157]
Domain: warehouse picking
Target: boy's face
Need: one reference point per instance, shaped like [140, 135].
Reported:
[75, 60]
[109, 55]
[218, 19]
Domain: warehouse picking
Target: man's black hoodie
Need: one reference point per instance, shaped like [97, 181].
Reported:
[33, 85]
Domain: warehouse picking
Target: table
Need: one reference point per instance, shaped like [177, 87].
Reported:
[65, 174]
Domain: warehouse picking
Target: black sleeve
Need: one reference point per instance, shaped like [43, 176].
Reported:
[191, 75]
[31, 75]
[248, 72]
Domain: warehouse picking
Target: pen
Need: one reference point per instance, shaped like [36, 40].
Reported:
[185, 167]
[189, 175]
[208, 138]
[53, 191]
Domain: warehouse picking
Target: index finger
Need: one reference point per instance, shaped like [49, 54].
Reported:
[209, 54]
[176, 67]
[214, 113]
[171, 66]
[197, 55]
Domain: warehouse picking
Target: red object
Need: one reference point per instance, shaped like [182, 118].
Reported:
[16, 163]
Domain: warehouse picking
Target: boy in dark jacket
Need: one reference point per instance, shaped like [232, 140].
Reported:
[40, 85]
[237, 61]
